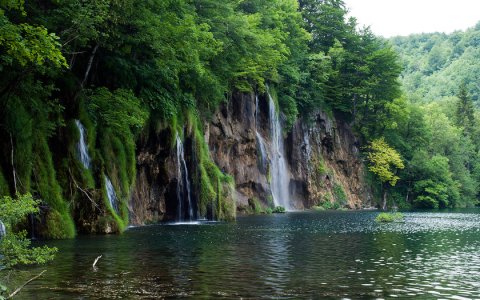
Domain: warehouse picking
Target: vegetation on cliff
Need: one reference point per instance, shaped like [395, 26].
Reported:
[118, 66]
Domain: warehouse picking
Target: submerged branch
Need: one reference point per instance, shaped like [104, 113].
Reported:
[23, 285]
[95, 262]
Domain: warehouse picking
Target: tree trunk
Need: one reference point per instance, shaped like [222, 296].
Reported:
[89, 66]
[13, 166]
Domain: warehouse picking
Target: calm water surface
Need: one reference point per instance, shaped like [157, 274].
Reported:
[296, 255]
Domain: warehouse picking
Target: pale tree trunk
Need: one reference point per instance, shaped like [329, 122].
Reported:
[89, 66]
[13, 166]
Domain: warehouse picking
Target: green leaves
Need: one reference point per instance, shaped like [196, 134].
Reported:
[121, 110]
[15, 248]
[27, 44]
[12, 210]
[384, 161]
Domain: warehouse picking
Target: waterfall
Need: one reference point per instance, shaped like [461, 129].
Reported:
[280, 178]
[82, 146]
[260, 141]
[3, 230]
[184, 195]
[112, 197]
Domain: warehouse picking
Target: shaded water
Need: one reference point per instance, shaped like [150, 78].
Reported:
[291, 256]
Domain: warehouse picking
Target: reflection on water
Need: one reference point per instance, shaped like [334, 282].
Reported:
[290, 256]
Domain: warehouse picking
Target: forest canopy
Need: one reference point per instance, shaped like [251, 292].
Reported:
[122, 66]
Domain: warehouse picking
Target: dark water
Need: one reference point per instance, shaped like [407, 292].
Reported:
[291, 256]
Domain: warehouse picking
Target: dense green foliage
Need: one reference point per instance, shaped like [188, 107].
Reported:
[437, 122]
[383, 161]
[119, 66]
[114, 65]
[14, 246]
[436, 64]
[388, 217]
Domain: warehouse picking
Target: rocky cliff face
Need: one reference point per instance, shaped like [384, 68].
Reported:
[234, 146]
[155, 185]
[322, 157]
[326, 165]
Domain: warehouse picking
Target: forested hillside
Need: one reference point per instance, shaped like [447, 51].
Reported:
[436, 64]
[126, 69]
[440, 81]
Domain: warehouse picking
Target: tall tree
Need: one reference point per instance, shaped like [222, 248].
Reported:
[465, 113]
[384, 161]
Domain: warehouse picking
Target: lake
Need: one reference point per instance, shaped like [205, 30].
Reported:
[336, 254]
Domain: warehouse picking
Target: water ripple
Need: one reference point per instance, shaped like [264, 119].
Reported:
[297, 255]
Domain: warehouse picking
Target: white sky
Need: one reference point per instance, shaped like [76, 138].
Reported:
[403, 17]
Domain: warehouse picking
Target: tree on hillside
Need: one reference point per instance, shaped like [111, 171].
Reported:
[383, 162]
[465, 114]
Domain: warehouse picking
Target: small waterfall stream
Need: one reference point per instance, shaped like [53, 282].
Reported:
[184, 194]
[82, 146]
[260, 141]
[112, 197]
[280, 178]
[3, 230]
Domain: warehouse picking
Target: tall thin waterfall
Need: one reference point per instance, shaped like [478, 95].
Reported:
[3, 230]
[82, 146]
[260, 141]
[184, 195]
[280, 178]
[112, 197]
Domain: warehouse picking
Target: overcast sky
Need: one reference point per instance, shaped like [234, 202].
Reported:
[393, 17]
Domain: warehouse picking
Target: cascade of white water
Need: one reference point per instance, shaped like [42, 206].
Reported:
[112, 197]
[260, 141]
[184, 196]
[280, 178]
[3, 230]
[82, 146]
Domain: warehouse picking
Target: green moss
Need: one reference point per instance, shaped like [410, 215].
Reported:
[389, 217]
[279, 210]
[339, 194]
[118, 160]
[71, 165]
[328, 204]
[256, 206]
[59, 225]
[59, 220]
[19, 123]
[89, 126]
[321, 168]
[318, 208]
[216, 188]
[118, 221]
